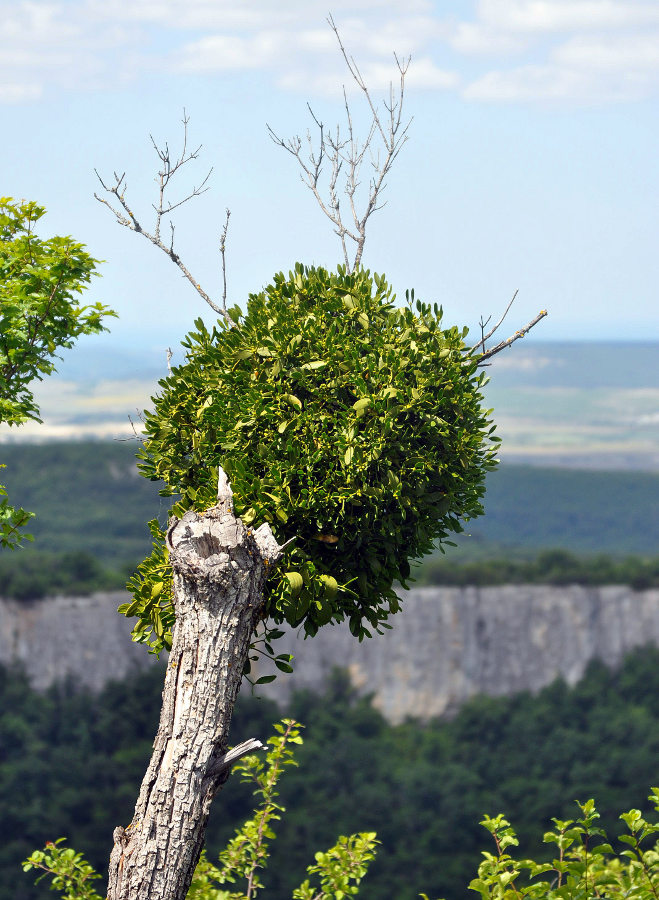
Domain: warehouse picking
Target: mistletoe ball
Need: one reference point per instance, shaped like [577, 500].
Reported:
[353, 425]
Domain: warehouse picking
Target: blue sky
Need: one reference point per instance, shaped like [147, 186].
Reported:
[532, 161]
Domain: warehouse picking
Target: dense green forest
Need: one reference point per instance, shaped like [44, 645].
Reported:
[548, 567]
[71, 763]
[584, 511]
[86, 497]
[30, 575]
[89, 496]
[92, 506]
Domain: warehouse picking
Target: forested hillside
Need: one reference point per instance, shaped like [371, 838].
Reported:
[89, 499]
[86, 496]
[70, 765]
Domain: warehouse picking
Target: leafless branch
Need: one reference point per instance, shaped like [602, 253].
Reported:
[482, 324]
[515, 337]
[169, 166]
[223, 242]
[137, 435]
[486, 337]
[347, 154]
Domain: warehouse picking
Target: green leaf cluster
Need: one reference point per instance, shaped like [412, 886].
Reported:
[12, 520]
[39, 315]
[246, 854]
[71, 873]
[352, 426]
[151, 588]
[341, 869]
[586, 866]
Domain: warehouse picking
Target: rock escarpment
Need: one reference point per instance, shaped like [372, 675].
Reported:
[451, 643]
[82, 639]
[447, 644]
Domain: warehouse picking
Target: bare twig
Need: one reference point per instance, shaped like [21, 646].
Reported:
[482, 325]
[346, 155]
[168, 168]
[486, 337]
[223, 242]
[515, 337]
[137, 436]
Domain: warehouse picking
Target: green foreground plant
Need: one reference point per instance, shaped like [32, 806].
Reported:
[586, 865]
[336, 874]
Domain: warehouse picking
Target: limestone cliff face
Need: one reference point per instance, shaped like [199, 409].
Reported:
[79, 638]
[449, 644]
[445, 646]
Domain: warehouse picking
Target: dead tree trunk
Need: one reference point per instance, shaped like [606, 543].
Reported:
[220, 567]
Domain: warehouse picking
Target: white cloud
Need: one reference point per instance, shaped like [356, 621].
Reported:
[254, 15]
[552, 16]
[424, 74]
[19, 93]
[554, 84]
[575, 51]
[476, 38]
[35, 22]
[562, 50]
[612, 53]
[221, 52]
[308, 59]
[56, 46]
[521, 84]
[402, 34]
[189, 15]
[330, 82]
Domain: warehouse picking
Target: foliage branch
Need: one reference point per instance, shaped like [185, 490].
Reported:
[40, 313]
[586, 866]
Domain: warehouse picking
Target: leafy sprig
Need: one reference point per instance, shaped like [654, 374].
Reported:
[586, 866]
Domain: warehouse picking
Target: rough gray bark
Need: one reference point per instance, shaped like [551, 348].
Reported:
[220, 567]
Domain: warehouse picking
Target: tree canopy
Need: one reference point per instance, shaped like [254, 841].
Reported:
[40, 313]
[354, 427]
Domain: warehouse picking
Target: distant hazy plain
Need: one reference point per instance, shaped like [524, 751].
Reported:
[582, 405]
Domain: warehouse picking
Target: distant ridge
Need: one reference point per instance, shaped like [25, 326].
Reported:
[89, 496]
[576, 405]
